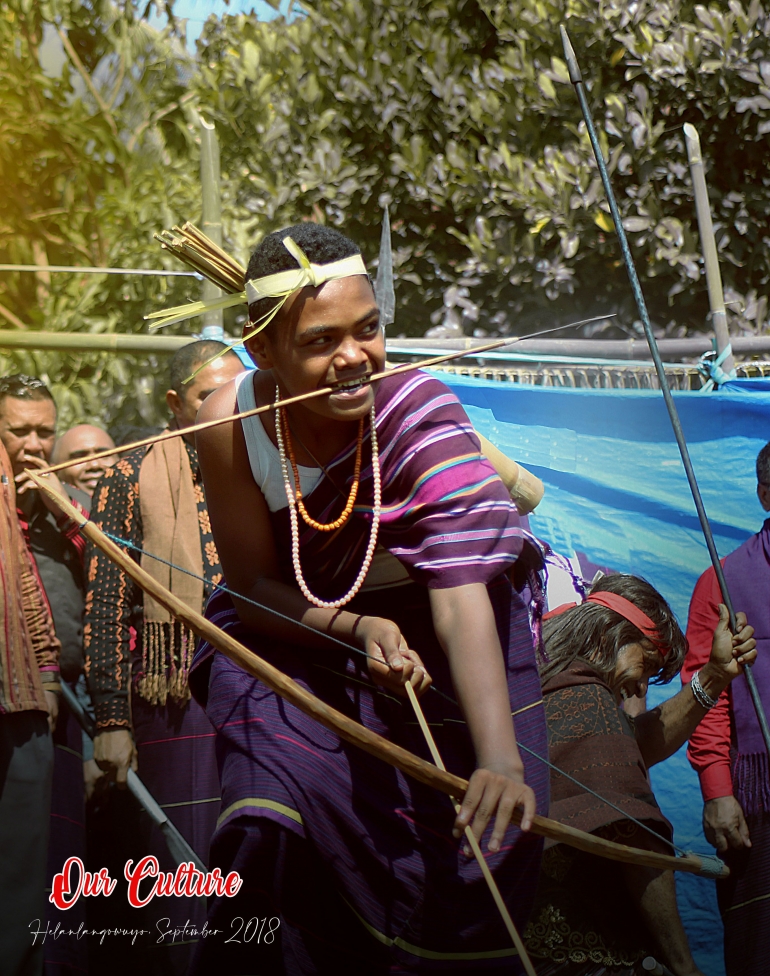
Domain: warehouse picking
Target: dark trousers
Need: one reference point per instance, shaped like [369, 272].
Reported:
[26, 769]
[66, 956]
[744, 900]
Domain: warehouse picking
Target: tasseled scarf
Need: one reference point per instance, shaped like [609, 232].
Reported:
[171, 531]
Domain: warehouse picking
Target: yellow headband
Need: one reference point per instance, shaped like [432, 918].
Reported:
[284, 283]
[280, 285]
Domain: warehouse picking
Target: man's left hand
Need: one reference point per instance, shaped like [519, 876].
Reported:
[24, 483]
[52, 701]
[730, 652]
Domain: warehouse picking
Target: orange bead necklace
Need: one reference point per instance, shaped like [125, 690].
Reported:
[309, 520]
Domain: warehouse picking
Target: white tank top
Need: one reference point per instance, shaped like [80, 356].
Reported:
[264, 458]
[265, 462]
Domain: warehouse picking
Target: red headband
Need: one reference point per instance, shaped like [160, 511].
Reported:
[626, 609]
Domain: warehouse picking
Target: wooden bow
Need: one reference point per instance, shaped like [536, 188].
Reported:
[350, 730]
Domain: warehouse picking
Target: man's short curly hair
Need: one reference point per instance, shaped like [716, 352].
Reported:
[23, 387]
[186, 360]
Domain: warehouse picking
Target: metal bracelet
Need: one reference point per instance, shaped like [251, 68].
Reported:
[704, 700]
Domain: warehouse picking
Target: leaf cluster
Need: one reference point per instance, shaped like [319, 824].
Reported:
[459, 114]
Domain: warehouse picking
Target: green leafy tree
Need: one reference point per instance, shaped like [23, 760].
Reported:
[460, 115]
[457, 113]
[107, 161]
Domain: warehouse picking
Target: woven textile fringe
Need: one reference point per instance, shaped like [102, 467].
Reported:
[751, 782]
[166, 667]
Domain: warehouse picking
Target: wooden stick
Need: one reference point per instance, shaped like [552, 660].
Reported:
[403, 368]
[474, 844]
[347, 728]
[708, 244]
[198, 251]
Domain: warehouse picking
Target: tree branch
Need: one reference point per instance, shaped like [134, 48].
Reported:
[103, 107]
[10, 317]
[157, 117]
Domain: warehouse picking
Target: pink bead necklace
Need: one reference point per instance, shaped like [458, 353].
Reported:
[294, 521]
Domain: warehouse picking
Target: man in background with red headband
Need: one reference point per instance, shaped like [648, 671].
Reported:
[728, 753]
[599, 654]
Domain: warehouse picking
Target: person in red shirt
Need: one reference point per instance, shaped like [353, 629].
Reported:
[727, 752]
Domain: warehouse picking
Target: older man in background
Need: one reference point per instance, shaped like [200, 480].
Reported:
[27, 429]
[78, 445]
[592, 916]
[29, 681]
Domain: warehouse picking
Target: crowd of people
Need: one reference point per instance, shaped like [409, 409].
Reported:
[369, 517]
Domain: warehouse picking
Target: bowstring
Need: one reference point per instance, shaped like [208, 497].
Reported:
[245, 599]
[604, 799]
[356, 650]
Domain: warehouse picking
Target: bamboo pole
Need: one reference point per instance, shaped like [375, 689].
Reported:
[90, 269]
[347, 728]
[93, 342]
[596, 349]
[708, 244]
[213, 321]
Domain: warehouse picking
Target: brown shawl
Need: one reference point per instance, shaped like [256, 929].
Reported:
[171, 531]
[584, 920]
[590, 738]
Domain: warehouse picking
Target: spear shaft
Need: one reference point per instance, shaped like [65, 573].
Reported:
[576, 78]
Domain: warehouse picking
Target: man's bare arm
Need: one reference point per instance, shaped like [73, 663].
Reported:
[464, 622]
[662, 730]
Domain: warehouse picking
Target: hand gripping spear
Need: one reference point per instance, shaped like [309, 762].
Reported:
[576, 78]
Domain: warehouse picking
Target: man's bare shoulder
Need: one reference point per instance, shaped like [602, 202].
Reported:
[221, 403]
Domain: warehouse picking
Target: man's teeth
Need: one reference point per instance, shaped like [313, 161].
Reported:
[351, 385]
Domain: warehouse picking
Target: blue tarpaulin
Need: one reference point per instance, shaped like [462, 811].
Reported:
[616, 491]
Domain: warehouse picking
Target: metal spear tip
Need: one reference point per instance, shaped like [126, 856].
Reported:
[575, 75]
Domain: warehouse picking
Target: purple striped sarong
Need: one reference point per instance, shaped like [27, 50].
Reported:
[177, 764]
[385, 842]
[744, 901]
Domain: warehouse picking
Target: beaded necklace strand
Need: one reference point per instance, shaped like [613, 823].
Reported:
[309, 520]
[294, 521]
